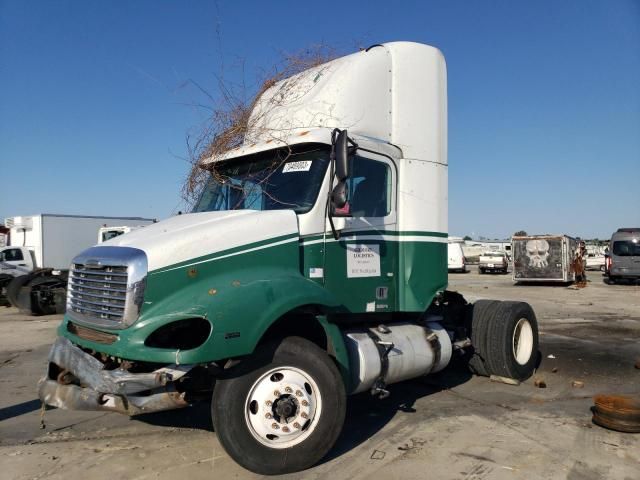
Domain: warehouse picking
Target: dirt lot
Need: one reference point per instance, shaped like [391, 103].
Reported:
[451, 426]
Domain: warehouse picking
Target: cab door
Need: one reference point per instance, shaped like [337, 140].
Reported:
[361, 267]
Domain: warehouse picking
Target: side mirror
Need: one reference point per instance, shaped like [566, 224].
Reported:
[341, 152]
[339, 194]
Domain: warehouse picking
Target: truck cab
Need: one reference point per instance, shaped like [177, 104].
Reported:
[108, 232]
[15, 261]
[313, 266]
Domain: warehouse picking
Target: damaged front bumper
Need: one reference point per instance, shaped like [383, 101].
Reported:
[83, 384]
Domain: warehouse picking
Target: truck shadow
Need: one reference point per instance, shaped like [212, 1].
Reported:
[366, 415]
[197, 416]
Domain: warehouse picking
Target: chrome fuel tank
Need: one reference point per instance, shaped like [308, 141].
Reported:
[389, 354]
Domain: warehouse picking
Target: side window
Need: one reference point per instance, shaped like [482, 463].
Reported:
[369, 188]
[13, 255]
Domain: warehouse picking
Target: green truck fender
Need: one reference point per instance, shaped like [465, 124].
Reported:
[241, 310]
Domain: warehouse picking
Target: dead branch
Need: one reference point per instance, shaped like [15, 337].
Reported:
[230, 121]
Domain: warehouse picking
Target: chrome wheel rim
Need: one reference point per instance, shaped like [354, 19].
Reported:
[283, 407]
[522, 342]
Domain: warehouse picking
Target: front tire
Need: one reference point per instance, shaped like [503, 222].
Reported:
[282, 409]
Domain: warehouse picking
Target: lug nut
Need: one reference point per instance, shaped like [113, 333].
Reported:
[298, 393]
[288, 390]
[285, 429]
[268, 403]
[305, 403]
[276, 393]
[268, 415]
[296, 425]
[275, 425]
[304, 415]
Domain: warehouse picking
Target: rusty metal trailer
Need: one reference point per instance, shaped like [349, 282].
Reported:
[544, 258]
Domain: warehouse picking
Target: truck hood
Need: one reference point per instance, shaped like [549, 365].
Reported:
[186, 237]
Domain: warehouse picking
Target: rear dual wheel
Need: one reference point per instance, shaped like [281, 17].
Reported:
[504, 336]
[282, 410]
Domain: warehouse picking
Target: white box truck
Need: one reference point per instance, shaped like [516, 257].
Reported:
[314, 266]
[34, 264]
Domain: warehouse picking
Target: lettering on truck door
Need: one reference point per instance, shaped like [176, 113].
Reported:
[361, 268]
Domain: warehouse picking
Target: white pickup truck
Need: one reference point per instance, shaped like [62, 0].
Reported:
[493, 262]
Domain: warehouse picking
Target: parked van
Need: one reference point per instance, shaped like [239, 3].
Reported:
[457, 262]
[624, 255]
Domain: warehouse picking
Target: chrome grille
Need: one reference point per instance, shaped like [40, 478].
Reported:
[98, 291]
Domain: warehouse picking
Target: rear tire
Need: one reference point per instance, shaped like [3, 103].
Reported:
[482, 313]
[504, 336]
[512, 341]
[247, 408]
[13, 289]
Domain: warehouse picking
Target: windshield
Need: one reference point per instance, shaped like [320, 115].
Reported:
[626, 248]
[275, 180]
[109, 234]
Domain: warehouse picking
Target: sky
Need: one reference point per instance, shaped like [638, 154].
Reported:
[97, 100]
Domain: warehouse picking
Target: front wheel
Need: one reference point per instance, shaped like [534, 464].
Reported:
[282, 409]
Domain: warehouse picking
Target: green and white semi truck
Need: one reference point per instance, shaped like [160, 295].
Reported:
[314, 266]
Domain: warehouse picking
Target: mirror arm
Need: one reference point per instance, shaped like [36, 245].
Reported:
[332, 163]
[332, 160]
[336, 233]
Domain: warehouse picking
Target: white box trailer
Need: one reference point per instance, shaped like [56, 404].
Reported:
[54, 239]
[544, 258]
[35, 263]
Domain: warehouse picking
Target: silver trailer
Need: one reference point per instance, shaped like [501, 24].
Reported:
[544, 258]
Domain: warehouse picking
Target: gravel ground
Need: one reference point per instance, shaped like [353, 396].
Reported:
[449, 426]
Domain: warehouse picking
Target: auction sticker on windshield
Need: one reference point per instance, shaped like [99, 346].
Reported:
[363, 261]
[303, 166]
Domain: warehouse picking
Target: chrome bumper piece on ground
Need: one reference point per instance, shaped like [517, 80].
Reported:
[108, 390]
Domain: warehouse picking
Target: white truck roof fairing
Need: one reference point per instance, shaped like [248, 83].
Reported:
[393, 93]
